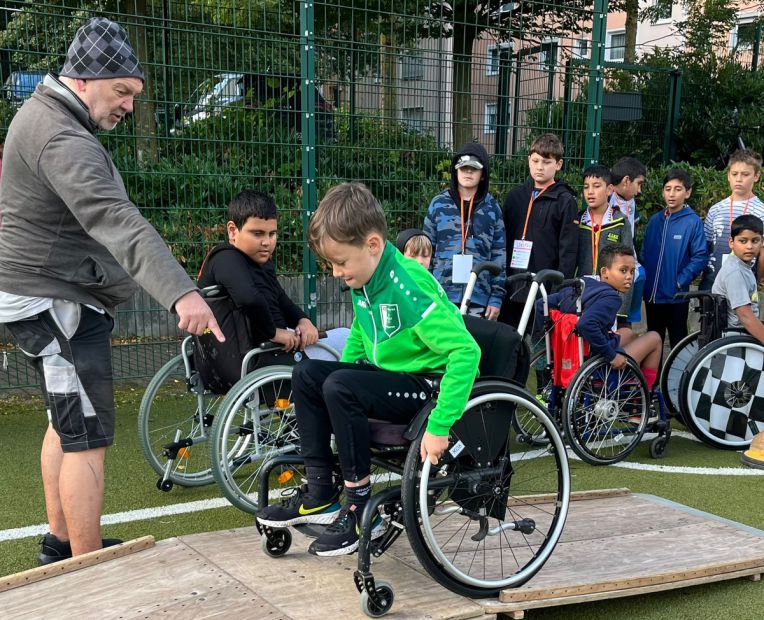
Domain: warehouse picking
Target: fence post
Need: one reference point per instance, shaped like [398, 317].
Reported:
[308, 92]
[502, 101]
[756, 46]
[672, 120]
[596, 86]
[566, 112]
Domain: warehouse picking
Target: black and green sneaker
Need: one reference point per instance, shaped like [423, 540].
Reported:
[299, 507]
[341, 537]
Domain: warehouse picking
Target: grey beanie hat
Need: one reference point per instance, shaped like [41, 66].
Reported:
[100, 50]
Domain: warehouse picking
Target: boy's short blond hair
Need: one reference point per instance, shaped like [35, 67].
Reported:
[548, 145]
[348, 213]
[748, 157]
[419, 245]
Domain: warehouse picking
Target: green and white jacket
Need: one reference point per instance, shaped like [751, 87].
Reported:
[404, 322]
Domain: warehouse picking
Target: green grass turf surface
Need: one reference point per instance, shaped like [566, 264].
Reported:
[130, 485]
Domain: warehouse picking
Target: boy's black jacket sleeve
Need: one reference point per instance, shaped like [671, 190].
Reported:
[568, 235]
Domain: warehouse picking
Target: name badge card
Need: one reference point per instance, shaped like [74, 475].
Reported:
[521, 254]
[462, 268]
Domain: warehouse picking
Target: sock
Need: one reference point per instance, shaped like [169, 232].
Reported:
[651, 374]
[356, 497]
[320, 484]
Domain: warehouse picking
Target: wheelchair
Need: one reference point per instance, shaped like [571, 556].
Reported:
[178, 409]
[490, 513]
[714, 377]
[604, 412]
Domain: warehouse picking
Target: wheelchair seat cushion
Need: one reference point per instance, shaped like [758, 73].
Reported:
[386, 434]
[502, 351]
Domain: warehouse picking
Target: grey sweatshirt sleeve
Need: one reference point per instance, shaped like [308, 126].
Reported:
[81, 173]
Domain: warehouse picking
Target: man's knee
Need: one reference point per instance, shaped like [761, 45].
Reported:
[338, 386]
[308, 374]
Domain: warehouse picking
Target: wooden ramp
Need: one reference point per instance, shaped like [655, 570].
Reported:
[615, 544]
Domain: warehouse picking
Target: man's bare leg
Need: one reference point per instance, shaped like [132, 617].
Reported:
[81, 486]
[50, 466]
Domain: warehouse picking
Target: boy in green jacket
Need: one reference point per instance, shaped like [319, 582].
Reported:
[404, 327]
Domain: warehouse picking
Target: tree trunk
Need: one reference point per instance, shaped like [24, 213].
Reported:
[631, 7]
[145, 121]
[463, 38]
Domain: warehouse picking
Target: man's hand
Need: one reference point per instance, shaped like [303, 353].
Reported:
[290, 340]
[196, 317]
[307, 332]
[619, 361]
[492, 313]
[434, 445]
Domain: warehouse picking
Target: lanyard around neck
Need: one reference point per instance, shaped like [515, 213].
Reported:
[530, 208]
[596, 231]
[466, 230]
[623, 207]
[745, 208]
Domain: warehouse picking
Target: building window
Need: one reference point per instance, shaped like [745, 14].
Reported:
[413, 118]
[494, 51]
[663, 9]
[616, 46]
[744, 36]
[412, 65]
[490, 118]
[582, 48]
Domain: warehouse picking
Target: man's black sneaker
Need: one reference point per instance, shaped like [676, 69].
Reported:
[299, 507]
[341, 537]
[54, 550]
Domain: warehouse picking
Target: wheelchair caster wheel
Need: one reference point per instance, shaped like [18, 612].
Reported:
[385, 597]
[658, 448]
[276, 543]
[164, 485]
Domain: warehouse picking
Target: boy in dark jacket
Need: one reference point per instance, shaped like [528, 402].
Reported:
[674, 252]
[540, 218]
[600, 304]
[465, 227]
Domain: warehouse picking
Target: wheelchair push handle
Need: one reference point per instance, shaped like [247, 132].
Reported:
[697, 295]
[491, 268]
[548, 277]
[214, 291]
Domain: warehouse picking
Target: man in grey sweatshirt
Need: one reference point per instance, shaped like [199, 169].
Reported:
[72, 247]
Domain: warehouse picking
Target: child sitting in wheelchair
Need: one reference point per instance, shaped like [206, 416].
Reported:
[255, 309]
[404, 329]
[601, 302]
[737, 282]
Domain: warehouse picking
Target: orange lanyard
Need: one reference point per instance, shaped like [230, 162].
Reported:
[621, 207]
[745, 208]
[530, 208]
[466, 231]
[596, 231]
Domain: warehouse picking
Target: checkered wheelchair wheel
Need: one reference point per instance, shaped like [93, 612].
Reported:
[722, 392]
[674, 368]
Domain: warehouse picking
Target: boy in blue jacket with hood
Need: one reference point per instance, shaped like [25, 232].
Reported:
[674, 252]
[600, 303]
[465, 227]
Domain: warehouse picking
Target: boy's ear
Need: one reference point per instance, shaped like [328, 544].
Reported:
[689, 192]
[375, 243]
[559, 164]
[730, 241]
[231, 230]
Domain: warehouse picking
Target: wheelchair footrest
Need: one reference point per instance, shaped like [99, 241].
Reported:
[384, 542]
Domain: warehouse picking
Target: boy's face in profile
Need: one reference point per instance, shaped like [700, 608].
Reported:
[543, 169]
[596, 192]
[630, 188]
[351, 263]
[742, 178]
[257, 238]
[746, 245]
[422, 259]
[675, 194]
[620, 274]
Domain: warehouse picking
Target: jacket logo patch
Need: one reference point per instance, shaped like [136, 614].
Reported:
[391, 318]
[678, 237]
[613, 237]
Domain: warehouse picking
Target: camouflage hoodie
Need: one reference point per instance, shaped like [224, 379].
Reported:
[404, 323]
[486, 240]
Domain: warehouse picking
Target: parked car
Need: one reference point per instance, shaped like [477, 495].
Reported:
[280, 94]
[20, 85]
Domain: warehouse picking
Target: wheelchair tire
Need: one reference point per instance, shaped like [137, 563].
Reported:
[673, 368]
[255, 422]
[605, 411]
[169, 405]
[507, 500]
[720, 391]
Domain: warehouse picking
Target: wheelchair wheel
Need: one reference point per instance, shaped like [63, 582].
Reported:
[674, 367]
[721, 392]
[605, 411]
[490, 513]
[255, 422]
[539, 385]
[172, 403]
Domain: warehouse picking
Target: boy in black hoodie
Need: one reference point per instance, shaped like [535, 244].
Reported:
[540, 219]
[465, 227]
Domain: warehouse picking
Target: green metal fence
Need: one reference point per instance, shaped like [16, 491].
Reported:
[293, 97]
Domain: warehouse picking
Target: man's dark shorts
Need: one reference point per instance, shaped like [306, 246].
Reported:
[70, 347]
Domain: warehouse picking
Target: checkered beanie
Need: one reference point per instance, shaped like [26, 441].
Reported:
[100, 50]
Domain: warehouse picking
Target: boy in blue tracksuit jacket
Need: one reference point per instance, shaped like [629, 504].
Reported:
[600, 303]
[465, 226]
[674, 252]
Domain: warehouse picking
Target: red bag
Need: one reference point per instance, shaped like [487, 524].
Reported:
[565, 360]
